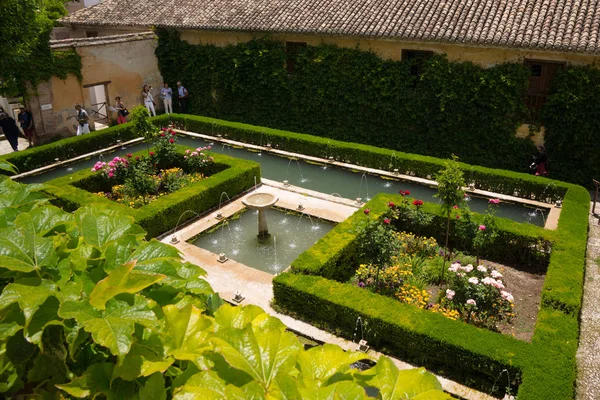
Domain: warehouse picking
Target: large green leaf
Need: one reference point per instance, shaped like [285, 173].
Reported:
[113, 327]
[207, 385]
[186, 332]
[321, 363]
[23, 197]
[42, 220]
[121, 280]
[46, 315]
[154, 388]
[344, 390]
[94, 381]
[24, 252]
[101, 225]
[141, 361]
[228, 316]
[29, 297]
[263, 349]
[399, 384]
[119, 251]
[7, 167]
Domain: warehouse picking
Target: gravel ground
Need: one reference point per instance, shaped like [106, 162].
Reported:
[588, 357]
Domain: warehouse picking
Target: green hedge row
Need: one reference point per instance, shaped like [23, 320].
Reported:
[546, 366]
[494, 180]
[64, 149]
[232, 176]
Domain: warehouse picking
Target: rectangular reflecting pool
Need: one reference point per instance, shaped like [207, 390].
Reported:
[290, 235]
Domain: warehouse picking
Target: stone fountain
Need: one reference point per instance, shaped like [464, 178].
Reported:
[260, 202]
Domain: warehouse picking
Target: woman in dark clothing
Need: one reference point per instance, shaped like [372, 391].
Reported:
[541, 162]
[10, 129]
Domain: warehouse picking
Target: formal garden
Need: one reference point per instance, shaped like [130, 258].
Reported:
[432, 283]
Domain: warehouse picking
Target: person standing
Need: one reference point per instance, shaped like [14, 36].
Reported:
[83, 120]
[183, 97]
[166, 94]
[10, 129]
[26, 121]
[541, 162]
[149, 100]
[122, 112]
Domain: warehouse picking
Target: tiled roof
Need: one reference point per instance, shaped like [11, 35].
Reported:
[100, 40]
[560, 25]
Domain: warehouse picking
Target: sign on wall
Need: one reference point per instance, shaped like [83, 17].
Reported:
[46, 107]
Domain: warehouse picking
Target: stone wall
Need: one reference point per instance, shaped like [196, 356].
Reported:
[122, 64]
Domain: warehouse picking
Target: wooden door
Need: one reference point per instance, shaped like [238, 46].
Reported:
[541, 75]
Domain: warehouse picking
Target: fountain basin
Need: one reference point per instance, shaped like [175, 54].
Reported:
[260, 201]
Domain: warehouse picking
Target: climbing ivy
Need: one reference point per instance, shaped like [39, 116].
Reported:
[572, 120]
[348, 94]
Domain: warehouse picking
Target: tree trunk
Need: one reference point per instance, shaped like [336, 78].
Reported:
[446, 250]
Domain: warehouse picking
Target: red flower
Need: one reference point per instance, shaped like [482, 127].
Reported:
[137, 158]
[386, 221]
[455, 207]
[171, 140]
[163, 129]
[151, 153]
[407, 192]
[173, 133]
[391, 204]
[129, 155]
[367, 211]
[162, 135]
[458, 217]
[418, 203]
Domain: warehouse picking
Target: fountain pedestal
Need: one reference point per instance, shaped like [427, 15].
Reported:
[260, 202]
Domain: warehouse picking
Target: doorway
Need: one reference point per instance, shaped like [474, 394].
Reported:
[541, 75]
[99, 103]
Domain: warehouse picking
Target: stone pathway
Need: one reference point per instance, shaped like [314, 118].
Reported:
[588, 357]
[5, 146]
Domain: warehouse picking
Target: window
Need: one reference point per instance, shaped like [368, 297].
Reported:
[291, 49]
[541, 75]
[417, 59]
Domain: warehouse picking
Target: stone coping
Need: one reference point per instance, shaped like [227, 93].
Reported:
[551, 221]
[57, 164]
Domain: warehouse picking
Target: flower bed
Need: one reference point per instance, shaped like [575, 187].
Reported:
[544, 368]
[137, 181]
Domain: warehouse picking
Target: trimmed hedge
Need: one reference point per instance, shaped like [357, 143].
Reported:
[546, 366]
[232, 175]
[40, 156]
[494, 180]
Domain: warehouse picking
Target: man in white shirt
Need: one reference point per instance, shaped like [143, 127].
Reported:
[83, 125]
[166, 93]
[183, 97]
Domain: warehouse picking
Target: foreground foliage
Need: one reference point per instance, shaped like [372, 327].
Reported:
[91, 309]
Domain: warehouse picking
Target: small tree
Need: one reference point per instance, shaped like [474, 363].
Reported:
[450, 182]
[141, 125]
[486, 233]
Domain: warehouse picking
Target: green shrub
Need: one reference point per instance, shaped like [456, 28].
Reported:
[348, 94]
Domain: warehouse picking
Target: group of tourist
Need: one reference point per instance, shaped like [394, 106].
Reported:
[166, 95]
[11, 130]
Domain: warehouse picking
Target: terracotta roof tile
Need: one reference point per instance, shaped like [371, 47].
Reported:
[560, 25]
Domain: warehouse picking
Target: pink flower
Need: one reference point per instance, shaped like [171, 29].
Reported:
[454, 267]
[465, 195]
[474, 280]
[185, 157]
[187, 151]
[210, 158]
[450, 294]
[163, 129]
[495, 274]
[482, 227]
[367, 211]
[208, 147]
[507, 296]
[481, 268]
[386, 221]
[488, 281]
[468, 268]
[455, 207]
[194, 154]
[471, 302]
[494, 201]
[110, 174]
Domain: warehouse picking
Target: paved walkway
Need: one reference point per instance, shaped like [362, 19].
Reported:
[256, 286]
[5, 146]
[588, 356]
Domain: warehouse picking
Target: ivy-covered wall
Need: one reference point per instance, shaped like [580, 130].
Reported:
[347, 94]
[572, 120]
